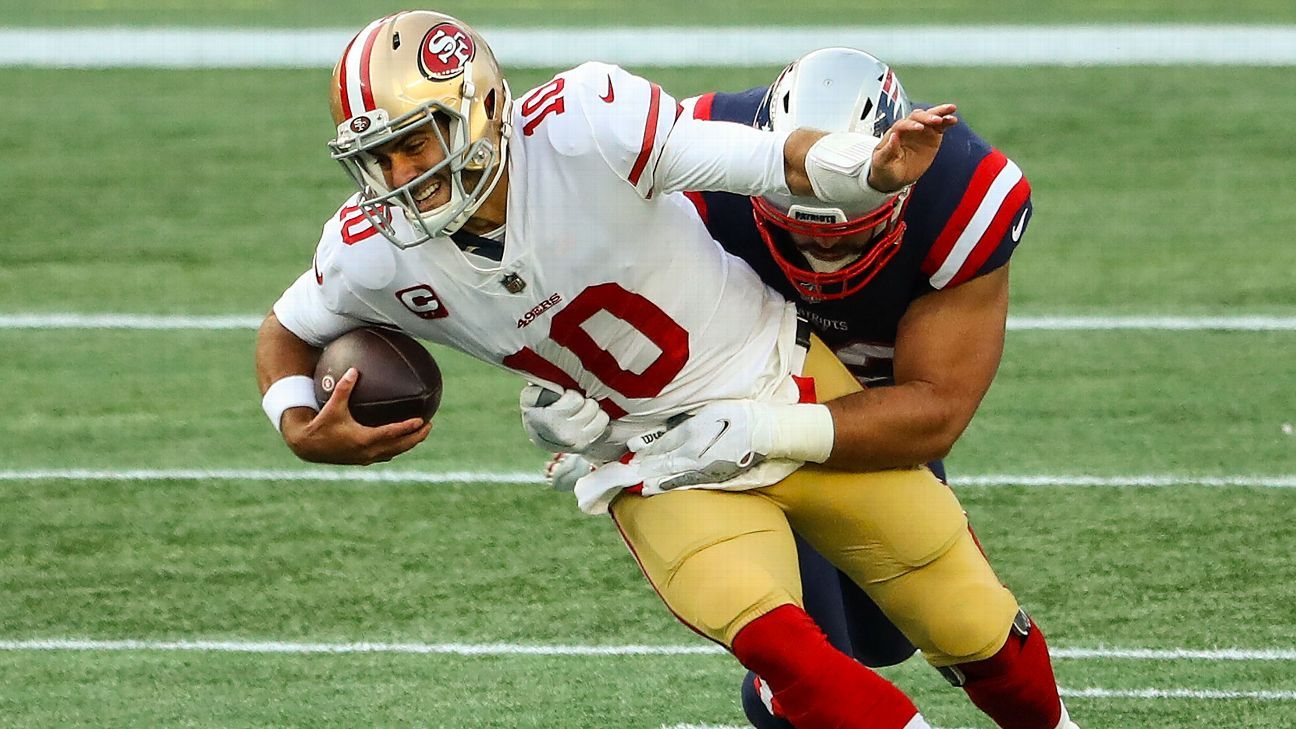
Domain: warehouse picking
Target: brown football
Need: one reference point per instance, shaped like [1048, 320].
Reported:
[398, 377]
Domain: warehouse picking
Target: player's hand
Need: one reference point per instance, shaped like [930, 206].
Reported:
[333, 436]
[556, 422]
[718, 442]
[705, 451]
[909, 146]
[565, 469]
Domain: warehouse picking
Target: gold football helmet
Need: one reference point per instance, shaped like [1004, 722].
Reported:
[408, 71]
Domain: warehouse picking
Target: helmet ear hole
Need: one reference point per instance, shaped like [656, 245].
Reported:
[489, 104]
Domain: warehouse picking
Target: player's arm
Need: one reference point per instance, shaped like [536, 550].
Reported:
[841, 167]
[948, 347]
[285, 366]
[644, 136]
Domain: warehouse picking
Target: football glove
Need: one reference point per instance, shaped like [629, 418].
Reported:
[565, 469]
[570, 423]
[730, 437]
[717, 443]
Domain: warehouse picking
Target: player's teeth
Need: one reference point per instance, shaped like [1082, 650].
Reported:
[428, 191]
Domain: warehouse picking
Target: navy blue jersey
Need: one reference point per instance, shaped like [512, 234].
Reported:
[964, 218]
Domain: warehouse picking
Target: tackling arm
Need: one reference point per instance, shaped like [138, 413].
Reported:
[948, 348]
[847, 167]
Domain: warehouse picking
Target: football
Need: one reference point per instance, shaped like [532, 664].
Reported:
[399, 379]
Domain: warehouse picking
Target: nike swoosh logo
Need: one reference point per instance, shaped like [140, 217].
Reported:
[611, 94]
[724, 428]
[319, 277]
[1020, 226]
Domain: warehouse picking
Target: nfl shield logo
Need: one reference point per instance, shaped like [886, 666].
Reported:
[513, 283]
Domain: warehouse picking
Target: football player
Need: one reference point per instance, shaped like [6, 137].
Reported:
[548, 238]
[912, 297]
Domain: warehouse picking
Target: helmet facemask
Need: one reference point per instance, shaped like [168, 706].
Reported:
[460, 155]
[885, 227]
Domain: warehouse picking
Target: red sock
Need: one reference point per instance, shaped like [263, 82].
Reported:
[815, 685]
[1015, 686]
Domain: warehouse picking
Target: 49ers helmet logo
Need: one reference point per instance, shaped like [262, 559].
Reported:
[444, 51]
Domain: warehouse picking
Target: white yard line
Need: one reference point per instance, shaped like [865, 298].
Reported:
[146, 322]
[705, 726]
[357, 475]
[1176, 693]
[1021, 45]
[521, 649]
[304, 474]
[507, 649]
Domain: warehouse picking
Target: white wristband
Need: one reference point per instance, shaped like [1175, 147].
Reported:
[802, 432]
[838, 168]
[295, 391]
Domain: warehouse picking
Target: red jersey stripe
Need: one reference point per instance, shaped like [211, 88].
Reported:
[995, 233]
[702, 109]
[650, 135]
[978, 186]
[699, 202]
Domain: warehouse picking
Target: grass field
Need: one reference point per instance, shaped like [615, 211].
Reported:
[1158, 191]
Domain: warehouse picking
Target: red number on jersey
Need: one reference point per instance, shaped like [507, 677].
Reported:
[546, 96]
[355, 226]
[641, 314]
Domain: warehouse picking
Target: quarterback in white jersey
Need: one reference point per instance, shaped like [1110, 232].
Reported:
[607, 284]
[549, 238]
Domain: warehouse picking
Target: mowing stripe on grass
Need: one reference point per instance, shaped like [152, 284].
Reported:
[355, 475]
[515, 649]
[71, 320]
[1020, 45]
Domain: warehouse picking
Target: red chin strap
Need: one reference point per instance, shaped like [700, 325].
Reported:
[849, 279]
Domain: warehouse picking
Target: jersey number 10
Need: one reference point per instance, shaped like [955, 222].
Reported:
[646, 317]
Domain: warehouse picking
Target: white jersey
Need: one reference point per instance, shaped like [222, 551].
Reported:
[604, 286]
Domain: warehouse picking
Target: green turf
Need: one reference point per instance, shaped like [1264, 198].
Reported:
[482, 563]
[535, 13]
[256, 691]
[204, 191]
[105, 399]
[1157, 191]
[342, 563]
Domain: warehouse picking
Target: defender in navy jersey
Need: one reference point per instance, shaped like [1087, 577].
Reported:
[905, 299]
[962, 220]
[912, 296]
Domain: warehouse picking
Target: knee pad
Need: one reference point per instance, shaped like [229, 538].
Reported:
[954, 608]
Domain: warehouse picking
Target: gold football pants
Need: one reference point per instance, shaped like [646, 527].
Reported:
[720, 559]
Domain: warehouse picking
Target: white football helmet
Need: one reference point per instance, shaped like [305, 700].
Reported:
[833, 90]
[408, 71]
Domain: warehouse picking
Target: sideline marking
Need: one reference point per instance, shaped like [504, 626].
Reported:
[1242, 323]
[354, 475]
[901, 45]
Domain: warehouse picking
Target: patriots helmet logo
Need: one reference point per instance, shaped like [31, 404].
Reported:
[893, 105]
